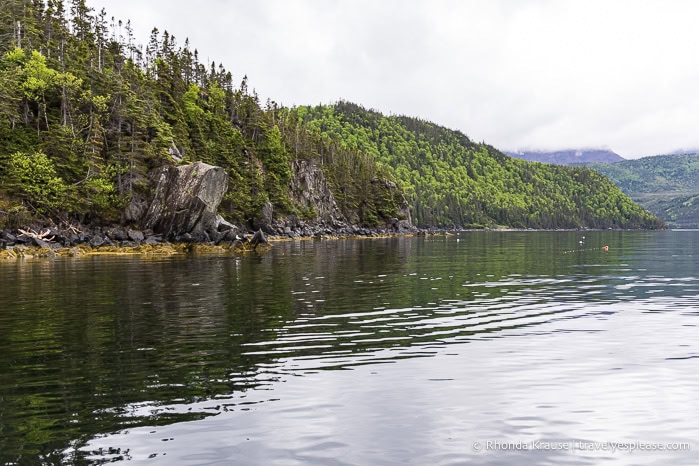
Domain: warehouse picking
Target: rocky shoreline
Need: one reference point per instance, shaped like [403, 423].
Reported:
[182, 216]
[76, 241]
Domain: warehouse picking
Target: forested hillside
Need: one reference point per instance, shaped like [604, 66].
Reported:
[667, 185]
[679, 173]
[453, 181]
[86, 117]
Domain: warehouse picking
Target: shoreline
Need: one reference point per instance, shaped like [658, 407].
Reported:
[34, 247]
[165, 248]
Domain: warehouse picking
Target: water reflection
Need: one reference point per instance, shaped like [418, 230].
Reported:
[103, 344]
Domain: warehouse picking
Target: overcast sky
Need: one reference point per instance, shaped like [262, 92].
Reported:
[517, 74]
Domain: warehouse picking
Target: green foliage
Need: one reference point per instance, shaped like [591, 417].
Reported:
[274, 156]
[33, 178]
[662, 173]
[191, 105]
[39, 78]
[98, 196]
[452, 181]
[666, 185]
[309, 214]
[12, 213]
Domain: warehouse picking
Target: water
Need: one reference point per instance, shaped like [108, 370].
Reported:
[481, 348]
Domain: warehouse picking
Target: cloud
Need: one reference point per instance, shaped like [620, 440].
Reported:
[538, 74]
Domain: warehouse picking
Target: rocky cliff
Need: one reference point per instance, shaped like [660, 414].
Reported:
[310, 192]
[185, 207]
[318, 211]
[186, 201]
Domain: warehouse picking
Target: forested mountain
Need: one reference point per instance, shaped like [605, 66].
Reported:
[86, 117]
[568, 157]
[452, 180]
[667, 185]
[660, 173]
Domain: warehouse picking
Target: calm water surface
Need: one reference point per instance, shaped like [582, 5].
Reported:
[481, 348]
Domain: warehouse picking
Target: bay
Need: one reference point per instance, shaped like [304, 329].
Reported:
[476, 348]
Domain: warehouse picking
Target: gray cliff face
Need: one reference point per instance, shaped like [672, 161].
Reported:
[186, 199]
[310, 192]
[184, 206]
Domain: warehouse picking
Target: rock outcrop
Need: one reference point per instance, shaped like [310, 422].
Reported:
[258, 238]
[185, 201]
[183, 209]
[311, 193]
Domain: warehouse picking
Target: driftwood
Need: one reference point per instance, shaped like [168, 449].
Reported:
[72, 229]
[39, 236]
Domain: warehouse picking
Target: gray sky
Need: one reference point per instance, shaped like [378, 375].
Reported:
[517, 74]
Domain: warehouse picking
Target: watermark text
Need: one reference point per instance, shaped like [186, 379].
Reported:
[579, 446]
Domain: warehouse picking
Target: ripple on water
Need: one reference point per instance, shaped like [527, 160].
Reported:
[357, 353]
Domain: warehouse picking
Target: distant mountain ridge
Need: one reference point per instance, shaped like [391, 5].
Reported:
[666, 185]
[569, 156]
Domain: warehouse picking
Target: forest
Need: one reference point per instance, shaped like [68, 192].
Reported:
[87, 115]
[452, 180]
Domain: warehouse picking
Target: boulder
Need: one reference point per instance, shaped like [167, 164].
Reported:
[97, 241]
[117, 234]
[41, 243]
[223, 225]
[186, 199]
[8, 238]
[264, 218]
[175, 153]
[227, 236]
[258, 238]
[59, 236]
[215, 236]
[23, 239]
[152, 240]
[186, 238]
[135, 211]
[136, 236]
[201, 237]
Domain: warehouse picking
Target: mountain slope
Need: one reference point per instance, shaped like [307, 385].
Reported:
[667, 185]
[451, 180]
[660, 173]
[87, 118]
[568, 157]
